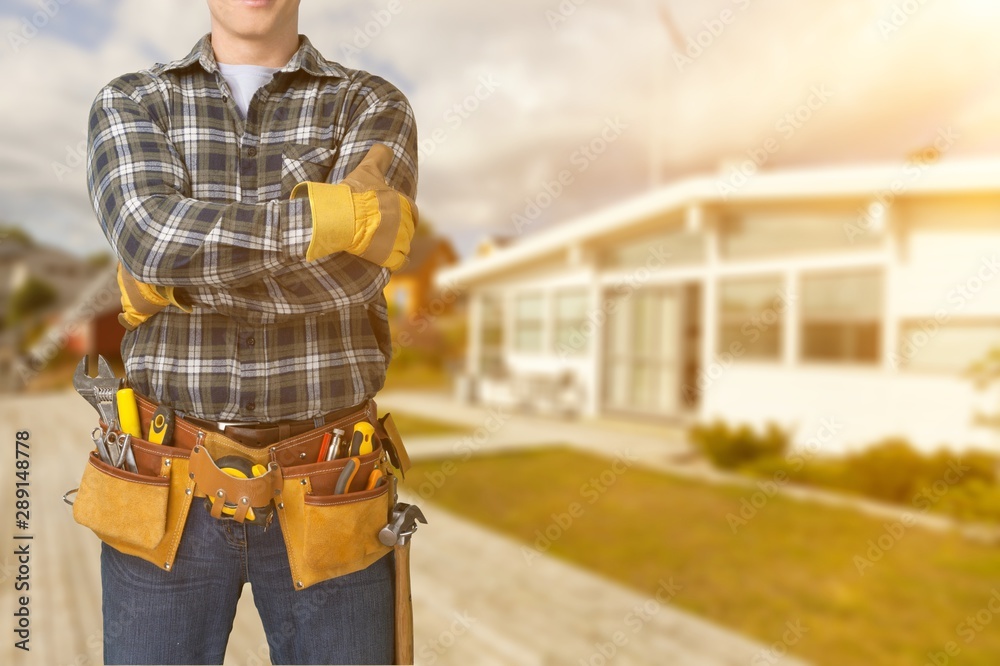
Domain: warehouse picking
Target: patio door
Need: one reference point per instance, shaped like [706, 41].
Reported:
[645, 350]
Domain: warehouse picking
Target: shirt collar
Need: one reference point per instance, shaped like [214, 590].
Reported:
[306, 58]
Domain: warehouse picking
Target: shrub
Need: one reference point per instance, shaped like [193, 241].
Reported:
[733, 448]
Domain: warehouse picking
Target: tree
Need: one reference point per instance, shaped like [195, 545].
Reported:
[31, 297]
[986, 373]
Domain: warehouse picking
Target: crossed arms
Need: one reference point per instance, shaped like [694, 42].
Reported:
[262, 260]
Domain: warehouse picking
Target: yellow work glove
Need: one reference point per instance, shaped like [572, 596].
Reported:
[362, 214]
[141, 301]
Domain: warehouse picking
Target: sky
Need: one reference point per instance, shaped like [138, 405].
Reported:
[542, 110]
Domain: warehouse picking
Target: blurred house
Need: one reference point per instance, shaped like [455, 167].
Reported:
[411, 288]
[79, 313]
[844, 304]
[22, 259]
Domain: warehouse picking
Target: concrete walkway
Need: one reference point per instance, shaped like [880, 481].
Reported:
[477, 599]
[662, 448]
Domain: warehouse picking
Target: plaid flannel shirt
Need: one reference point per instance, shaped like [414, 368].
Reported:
[192, 195]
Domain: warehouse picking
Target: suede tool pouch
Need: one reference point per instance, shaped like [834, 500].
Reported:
[328, 535]
[141, 514]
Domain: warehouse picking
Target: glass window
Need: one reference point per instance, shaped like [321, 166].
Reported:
[951, 347]
[529, 310]
[674, 247]
[491, 343]
[842, 317]
[643, 356]
[571, 315]
[751, 317]
[760, 234]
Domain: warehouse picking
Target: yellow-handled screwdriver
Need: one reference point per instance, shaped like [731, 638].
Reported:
[128, 412]
[361, 441]
[161, 426]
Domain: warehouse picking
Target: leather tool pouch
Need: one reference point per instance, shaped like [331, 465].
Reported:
[326, 535]
[139, 514]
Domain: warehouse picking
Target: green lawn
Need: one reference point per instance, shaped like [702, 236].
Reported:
[791, 562]
[410, 425]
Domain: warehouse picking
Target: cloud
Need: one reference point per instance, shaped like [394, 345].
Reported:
[556, 84]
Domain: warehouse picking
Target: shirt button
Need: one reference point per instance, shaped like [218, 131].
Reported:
[251, 406]
[252, 151]
[251, 341]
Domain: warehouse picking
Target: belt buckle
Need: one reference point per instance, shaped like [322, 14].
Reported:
[222, 425]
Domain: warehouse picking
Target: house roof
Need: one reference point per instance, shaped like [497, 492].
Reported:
[982, 175]
[422, 249]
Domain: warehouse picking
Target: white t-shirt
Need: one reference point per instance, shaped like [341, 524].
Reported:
[244, 81]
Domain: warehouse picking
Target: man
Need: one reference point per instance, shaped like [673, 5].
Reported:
[254, 246]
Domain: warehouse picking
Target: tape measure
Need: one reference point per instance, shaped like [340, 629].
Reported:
[241, 469]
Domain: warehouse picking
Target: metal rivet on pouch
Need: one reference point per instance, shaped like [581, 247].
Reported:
[243, 500]
[167, 462]
[187, 491]
[298, 583]
[303, 482]
[166, 565]
[281, 505]
[220, 493]
[302, 456]
[190, 475]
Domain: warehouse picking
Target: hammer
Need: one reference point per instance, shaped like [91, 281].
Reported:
[404, 523]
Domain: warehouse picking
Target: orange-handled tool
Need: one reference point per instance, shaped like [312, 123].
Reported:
[347, 476]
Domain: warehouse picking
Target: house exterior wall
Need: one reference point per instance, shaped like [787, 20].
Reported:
[936, 259]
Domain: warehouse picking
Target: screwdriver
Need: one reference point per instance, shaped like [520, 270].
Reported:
[338, 435]
[128, 412]
[161, 426]
[361, 442]
[324, 447]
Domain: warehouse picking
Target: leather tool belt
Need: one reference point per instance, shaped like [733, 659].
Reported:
[327, 534]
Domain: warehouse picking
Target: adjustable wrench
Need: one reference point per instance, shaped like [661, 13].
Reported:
[100, 392]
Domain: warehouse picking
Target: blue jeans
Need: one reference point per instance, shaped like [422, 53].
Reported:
[184, 616]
